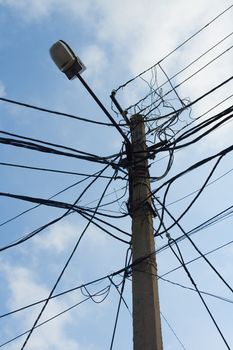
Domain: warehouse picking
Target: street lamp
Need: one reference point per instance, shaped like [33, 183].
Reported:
[66, 60]
[70, 64]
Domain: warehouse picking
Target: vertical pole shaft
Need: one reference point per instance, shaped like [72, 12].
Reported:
[146, 312]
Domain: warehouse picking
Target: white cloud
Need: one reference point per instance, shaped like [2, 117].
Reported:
[96, 62]
[64, 235]
[24, 288]
[58, 238]
[28, 9]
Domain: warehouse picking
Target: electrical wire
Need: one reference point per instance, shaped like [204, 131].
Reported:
[195, 247]
[106, 231]
[182, 70]
[197, 229]
[22, 104]
[36, 147]
[180, 110]
[95, 175]
[181, 260]
[64, 268]
[120, 299]
[172, 330]
[33, 233]
[57, 204]
[194, 290]
[193, 192]
[174, 88]
[90, 297]
[191, 203]
[55, 170]
[194, 166]
[178, 47]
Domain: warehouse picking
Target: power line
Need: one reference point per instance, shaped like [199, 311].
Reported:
[178, 47]
[22, 104]
[90, 297]
[58, 204]
[195, 166]
[195, 247]
[182, 82]
[171, 328]
[194, 290]
[181, 260]
[56, 171]
[193, 192]
[180, 110]
[127, 259]
[36, 147]
[33, 233]
[64, 268]
[56, 145]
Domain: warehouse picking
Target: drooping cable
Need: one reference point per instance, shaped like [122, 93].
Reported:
[64, 268]
[178, 47]
[120, 299]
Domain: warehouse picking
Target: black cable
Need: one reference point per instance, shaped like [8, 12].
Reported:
[84, 285]
[120, 300]
[183, 69]
[178, 47]
[178, 85]
[55, 145]
[193, 192]
[195, 247]
[33, 233]
[127, 269]
[53, 196]
[100, 293]
[109, 224]
[192, 202]
[172, 146]
[188, 124]
[35, 147]
[195, 166]
[104, 230]
[180, 110]
[57, 204]
[180, 258]
[197, 229]
[22, 104]
[200, 127]
[42, 323]
[64, 268]
[95, 175]
[198, 257]
[56, 170]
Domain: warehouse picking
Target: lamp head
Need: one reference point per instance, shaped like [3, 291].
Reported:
[65, 59]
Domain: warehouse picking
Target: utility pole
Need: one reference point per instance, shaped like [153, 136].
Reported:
[146, 312]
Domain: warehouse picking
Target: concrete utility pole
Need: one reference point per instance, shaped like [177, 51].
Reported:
[146, 312]
[146, 315]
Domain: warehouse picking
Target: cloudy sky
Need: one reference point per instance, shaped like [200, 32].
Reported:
[116, 41]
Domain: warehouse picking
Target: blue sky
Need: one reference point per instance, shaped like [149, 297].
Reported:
[116, 41]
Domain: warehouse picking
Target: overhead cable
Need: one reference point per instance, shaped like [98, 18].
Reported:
[178, 47]
[64, 268]
[22, 104]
